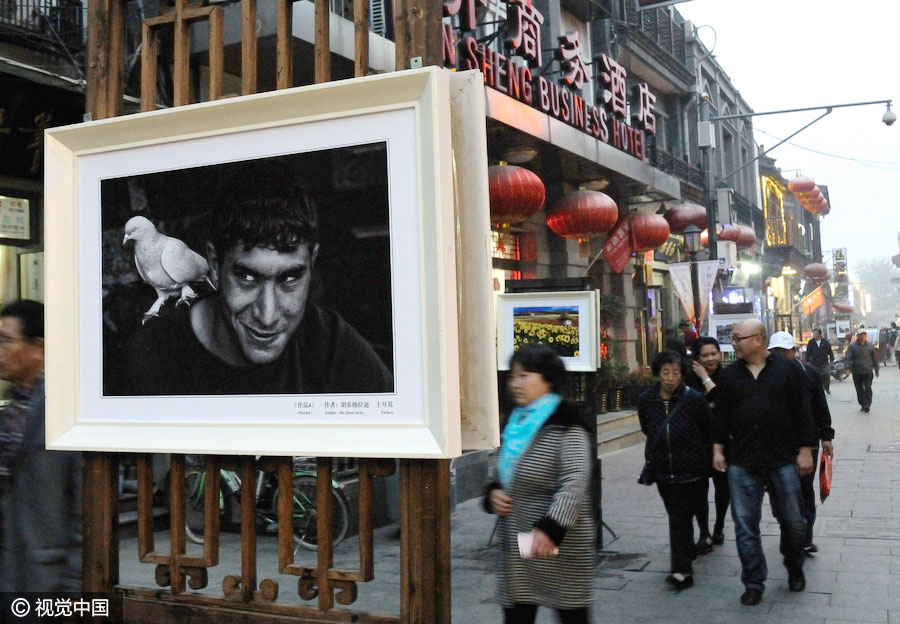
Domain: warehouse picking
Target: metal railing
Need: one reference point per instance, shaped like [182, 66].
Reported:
[666, 161]
[51, 24]
[658, 26]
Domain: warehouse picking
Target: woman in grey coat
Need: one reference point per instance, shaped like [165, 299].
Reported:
[542, 496]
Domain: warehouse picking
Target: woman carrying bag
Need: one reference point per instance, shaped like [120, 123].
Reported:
[678, 454]
[544, 468]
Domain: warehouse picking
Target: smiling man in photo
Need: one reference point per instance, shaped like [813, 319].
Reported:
[258, 332]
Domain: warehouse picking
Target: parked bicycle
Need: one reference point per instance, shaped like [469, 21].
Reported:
[305, 515]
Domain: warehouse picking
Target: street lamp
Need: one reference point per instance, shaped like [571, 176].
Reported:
[707, 143]
[692, 245]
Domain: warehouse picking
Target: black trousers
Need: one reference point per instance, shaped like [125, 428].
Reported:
[863, 384]
[808, 495]
[682, 501]
[526, 613]
[722, 498]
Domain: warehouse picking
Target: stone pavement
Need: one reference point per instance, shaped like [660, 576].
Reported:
[855, 577]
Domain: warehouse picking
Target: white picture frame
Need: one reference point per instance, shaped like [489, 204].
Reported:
[720, 326]
[418, 418]
[567, 316]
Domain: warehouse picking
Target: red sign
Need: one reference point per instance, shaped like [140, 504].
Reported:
[511, 74]
[617, 249]
[814, 300]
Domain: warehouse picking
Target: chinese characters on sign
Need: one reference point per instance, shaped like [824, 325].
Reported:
[15, 218]
[574, 72]
[606, 120]
[525, 23]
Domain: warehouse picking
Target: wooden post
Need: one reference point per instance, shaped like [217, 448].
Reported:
[417, 28]
[100, 554]
[105, 58]
[425, 541]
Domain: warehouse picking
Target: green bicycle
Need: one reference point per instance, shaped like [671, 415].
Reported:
[305, 516]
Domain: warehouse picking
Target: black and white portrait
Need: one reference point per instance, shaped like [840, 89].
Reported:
[266, 276]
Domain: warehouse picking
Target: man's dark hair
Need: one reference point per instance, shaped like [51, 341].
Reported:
[701, 342]
[817, 329]
[668, 357]
[263, 205]
[543, 360]
[31, 317]
[893, 325]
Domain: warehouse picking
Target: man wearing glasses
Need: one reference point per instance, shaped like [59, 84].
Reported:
[764, 424]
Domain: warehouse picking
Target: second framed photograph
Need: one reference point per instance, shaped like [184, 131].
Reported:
[564, 321]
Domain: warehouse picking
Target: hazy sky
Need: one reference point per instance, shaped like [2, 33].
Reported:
[798, 53]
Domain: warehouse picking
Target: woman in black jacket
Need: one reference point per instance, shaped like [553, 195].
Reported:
[676, 421]
[706, 369]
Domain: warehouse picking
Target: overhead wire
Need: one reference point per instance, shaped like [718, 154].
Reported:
[875, 164]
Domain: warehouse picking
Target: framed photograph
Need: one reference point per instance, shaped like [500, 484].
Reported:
[18, 218]
[272, 274]
[720, 327]
[564, 321]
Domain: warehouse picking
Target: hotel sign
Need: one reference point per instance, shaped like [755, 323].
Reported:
[519, 74]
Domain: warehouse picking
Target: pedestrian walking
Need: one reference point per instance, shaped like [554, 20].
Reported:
[783, 344]
[676, 420]
[820, 356]
[542, 495]
[40, 490]
[764, 426]
[863, 362]
[895, 343]
[706, 369]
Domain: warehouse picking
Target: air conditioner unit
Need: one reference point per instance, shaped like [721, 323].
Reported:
[728, 253]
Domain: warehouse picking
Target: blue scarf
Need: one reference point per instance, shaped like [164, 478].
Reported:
[521, 429]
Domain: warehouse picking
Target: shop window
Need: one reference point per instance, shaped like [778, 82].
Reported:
[513, 256]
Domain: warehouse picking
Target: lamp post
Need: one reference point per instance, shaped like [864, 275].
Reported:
[692, 244]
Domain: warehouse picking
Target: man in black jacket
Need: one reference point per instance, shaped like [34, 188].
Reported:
[763, 416]
[783, 344]
[820, 357]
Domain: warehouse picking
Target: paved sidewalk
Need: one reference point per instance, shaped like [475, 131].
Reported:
[855, 577]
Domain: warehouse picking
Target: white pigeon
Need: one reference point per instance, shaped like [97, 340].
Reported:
[165, 263]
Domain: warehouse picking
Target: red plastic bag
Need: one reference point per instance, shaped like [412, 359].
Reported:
[825, 465]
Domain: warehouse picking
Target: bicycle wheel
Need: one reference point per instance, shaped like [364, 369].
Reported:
[195, 501]
[306, 516]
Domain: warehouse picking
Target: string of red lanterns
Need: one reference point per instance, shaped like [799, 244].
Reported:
[809, 195]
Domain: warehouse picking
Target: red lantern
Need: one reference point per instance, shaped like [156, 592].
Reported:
[516, 193]
[582, 215]
[729, 232]
[648, 231]
[680, 216]
[746, 237]
[801, 184]
[816, 271]
[842, 306]
[704, 238]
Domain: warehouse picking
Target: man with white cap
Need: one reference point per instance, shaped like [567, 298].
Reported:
[863, 362]
[783, 344]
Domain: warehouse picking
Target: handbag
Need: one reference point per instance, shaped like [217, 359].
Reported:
[646, 477]
[825, 467]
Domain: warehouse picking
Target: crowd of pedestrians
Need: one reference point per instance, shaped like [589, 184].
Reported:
[753, 427]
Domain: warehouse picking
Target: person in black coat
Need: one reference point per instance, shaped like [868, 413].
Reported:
[706, 369]
[820, 356]
[783, 343]
[677, 421]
